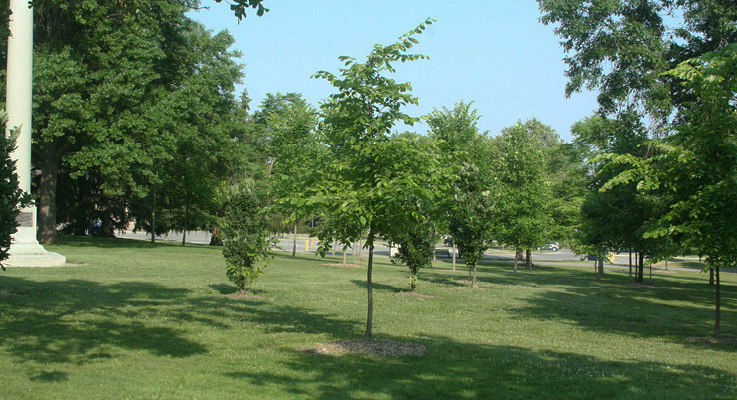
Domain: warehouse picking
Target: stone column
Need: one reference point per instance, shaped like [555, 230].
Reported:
[25, 250]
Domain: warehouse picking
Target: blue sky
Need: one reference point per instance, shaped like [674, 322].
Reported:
[495, 53]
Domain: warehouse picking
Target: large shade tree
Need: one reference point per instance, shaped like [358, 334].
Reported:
[109, 87]
[621, 48]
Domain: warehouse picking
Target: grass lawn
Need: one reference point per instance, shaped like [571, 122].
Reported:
[137, 321]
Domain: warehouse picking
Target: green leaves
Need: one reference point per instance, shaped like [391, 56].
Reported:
[247, 238]
[239, 7]
[11, 196]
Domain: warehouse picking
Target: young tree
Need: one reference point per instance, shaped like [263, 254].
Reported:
[247, 239]
[615, 218]
[416, 248]
[293, 149]
[458, 140]
[523, 192]
[694, 169]
[370, 181]
[471, 222]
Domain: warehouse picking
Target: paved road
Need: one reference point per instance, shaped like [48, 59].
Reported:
[305, 245]
[197, 237]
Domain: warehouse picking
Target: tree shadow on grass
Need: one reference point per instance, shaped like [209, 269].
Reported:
[673, 309]
[452, 370]
[107, 243]
[376, 286]
[79, 322]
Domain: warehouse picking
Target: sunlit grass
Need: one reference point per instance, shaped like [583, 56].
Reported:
[135, 320]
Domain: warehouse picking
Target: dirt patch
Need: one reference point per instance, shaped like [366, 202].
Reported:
[414, 294]
[244, 296]
[464, 287]
[343, 265]
[381, 348]
[712, 340]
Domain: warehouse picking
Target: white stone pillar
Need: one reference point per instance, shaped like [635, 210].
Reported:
[25, 250]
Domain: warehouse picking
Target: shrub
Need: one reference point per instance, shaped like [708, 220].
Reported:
[416, 248]
[246, 237]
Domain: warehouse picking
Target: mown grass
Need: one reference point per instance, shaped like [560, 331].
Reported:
[141, 321]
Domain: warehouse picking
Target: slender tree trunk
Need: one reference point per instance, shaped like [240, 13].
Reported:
[294, 236]
[153, 215]
[47, 186]
[717, 319]
[345, 255]
[413, 285]
[473, 279]
[369, 284]
[516, 257]
[601, 263]
[641, 267]
[528, 258]
[186, 222]
[630, 265]
[711, 276]
[454, 255]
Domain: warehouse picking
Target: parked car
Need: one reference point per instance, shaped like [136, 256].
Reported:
[551, 246]
[448, 240]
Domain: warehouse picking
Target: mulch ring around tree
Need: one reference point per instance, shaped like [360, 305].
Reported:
[415, 294]
[371, 347]
[244, 296]
[343, 265]
[711, 340]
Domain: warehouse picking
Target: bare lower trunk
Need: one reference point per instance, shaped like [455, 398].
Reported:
[47, 198]
[600, 271]
[630, 265]
[717, 319]
[473, 279]
[186, 222]
[345, 255]
[413, 281]
[294, 236]
[369, 284]
[711, 276]
[153, 215]
[528, 258]
[641, 267]
[454, 256]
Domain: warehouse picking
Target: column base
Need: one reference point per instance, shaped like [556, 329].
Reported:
[47, 259]
[25, 251]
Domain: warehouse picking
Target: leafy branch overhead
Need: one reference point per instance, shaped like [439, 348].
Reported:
[239, 7]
